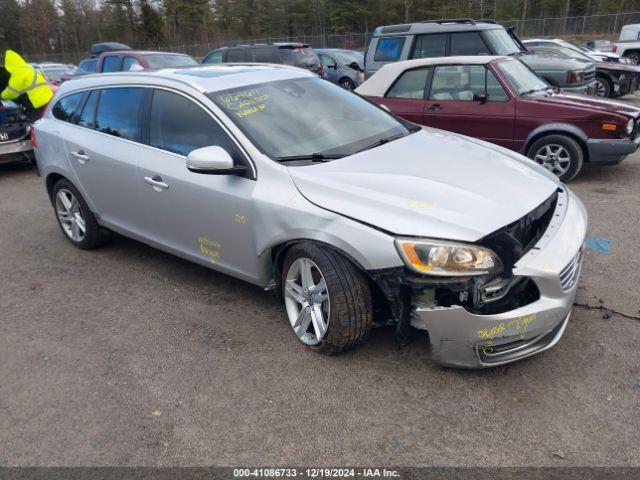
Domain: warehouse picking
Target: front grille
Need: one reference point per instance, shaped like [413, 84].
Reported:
[570, 274]
[589, 75]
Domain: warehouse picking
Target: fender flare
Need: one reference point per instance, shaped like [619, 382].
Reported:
[555, 128]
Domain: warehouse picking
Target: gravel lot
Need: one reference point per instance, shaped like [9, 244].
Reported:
[129, 356]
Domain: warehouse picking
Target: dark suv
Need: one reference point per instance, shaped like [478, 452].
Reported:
[464, 37]
[294, 54]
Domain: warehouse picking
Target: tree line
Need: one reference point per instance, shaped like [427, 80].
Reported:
[54, 26]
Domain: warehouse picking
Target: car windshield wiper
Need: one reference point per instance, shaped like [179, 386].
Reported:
[533, 90]
[314, 157]
[382, 141]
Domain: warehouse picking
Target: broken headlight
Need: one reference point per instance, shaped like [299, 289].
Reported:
[447, 259]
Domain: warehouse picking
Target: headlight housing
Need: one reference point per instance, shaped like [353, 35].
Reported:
[629, 128]
[447, 259]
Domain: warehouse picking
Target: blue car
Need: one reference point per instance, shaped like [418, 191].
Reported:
[344, 67]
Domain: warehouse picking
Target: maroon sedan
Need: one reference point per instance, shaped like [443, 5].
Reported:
[500, 100]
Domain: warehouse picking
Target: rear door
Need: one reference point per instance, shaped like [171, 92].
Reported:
[102, 149]
[469, 99]
[330, 67]
[406, 97]
[204, 217]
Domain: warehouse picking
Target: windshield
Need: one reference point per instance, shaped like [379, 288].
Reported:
[306, 116]
[347, 58]
[570, 52]
[523, 80]
[501, 42]
[167, 61]
[55, 74]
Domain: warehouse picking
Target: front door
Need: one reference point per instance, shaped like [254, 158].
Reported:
[468, 99]
[203, 217]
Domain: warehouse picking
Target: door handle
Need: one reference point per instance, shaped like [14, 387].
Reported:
[81, 156]
[156, 182]
[435, 107]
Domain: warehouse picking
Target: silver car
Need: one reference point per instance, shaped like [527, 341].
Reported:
[355, 217]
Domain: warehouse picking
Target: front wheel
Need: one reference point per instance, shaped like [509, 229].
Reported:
[327, 299]
[347, 84]
[604, 88]
[559, 154]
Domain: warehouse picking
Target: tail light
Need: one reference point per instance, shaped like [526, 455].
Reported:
[321, 71]
[614, 49]
[32, 134]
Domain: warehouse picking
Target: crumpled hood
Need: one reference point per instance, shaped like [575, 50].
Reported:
[429, 184]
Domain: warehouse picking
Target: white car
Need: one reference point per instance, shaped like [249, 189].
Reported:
[354, 216]
[595, 55]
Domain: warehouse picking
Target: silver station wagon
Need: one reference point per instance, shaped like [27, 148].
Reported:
[356, 217]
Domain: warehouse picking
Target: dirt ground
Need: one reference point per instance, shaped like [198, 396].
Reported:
[129, 356]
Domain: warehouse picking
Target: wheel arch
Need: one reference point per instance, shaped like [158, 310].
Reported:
[279, 252]
[53, 178]
[570, 131]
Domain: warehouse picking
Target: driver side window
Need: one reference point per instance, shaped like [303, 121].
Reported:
[179, 125]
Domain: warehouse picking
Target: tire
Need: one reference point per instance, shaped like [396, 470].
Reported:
[634, 57]
[72, 214]
[548, 146]
[604, 88]
[348, 308]
[347, 84]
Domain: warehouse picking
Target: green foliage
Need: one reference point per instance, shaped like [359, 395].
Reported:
[46, 27]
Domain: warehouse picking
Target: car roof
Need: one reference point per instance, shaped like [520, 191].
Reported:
[380, 82]
[436, 26]
[142, 52]
[204, 78]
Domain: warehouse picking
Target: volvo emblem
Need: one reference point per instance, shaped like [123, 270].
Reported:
[4, 137]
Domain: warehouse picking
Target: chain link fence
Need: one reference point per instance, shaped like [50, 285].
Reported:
[602, 26]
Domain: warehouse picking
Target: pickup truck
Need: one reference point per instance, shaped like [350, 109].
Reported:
[628, 45]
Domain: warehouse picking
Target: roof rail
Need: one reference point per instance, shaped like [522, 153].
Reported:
[487, 21]
[468, 21]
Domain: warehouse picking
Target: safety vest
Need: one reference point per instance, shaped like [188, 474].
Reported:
[25, 80]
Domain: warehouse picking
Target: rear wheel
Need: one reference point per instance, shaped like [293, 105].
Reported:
[559, 154]
[604, 88]
[327, 299]
[74, 217]
[634, 57]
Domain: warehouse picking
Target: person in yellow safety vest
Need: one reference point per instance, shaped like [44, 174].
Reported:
[26, 85]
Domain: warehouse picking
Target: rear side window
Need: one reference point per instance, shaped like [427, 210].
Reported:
[304, 57]
[263, 55]
[180, 126]
[428, 46]
[111, 64]
[119, 112]
[469, 43]
[214, 57]
[88, 66]
[67, 107]
[85, 119]
[236, 55]
[388, 49]
[411, 84]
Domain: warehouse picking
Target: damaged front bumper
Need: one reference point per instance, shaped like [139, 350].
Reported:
[461, 338]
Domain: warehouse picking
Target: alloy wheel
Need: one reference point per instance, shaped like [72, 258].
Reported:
[554, 158]
[307, 301]
[601, 89]
[70, 215]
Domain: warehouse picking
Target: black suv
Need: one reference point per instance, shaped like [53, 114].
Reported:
[294, 54]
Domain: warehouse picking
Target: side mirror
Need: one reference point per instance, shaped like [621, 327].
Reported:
[480, 97]
[213, 160]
